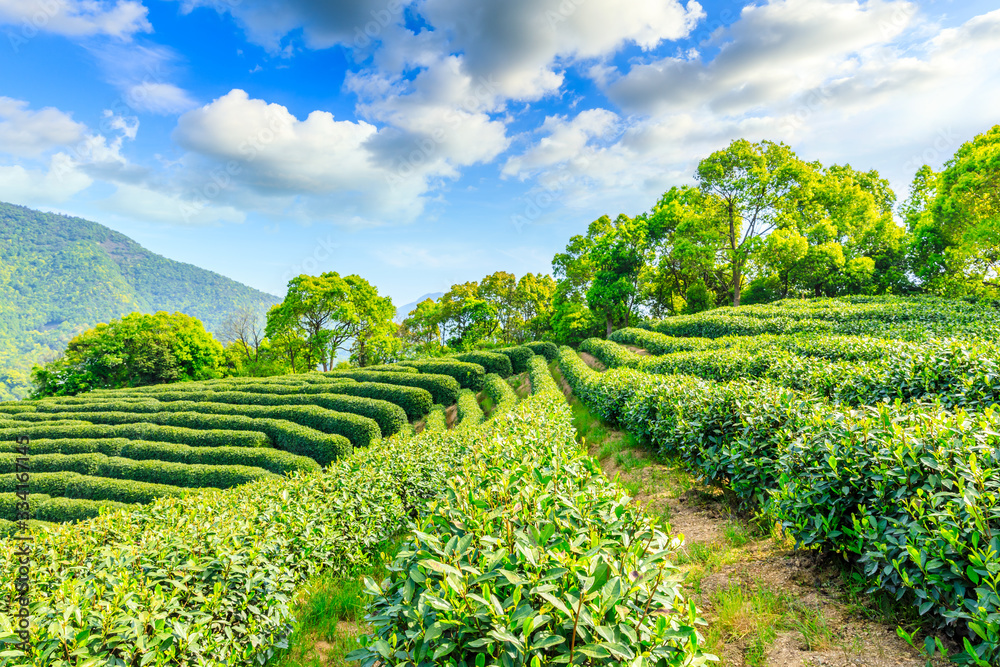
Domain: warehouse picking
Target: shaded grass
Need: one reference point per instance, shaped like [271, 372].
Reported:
[329, 615]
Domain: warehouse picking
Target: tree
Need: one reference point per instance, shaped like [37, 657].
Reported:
[785, 248]
[421, 329]
[959, 242]
[134, 351]
[752, 182]
[321, 314]
[533, 298]
[375, 340]
[698, 298]
[244, 330]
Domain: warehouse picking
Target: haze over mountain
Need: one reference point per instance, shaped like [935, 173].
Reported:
[60, 275]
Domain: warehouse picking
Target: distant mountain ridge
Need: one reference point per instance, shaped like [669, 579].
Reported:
[60, 275]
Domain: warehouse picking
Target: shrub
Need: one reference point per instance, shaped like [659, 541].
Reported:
[155, 432]
[153, 471]
[469, 412]
[519, 357]
[53, 510]
[272, 460]
[492, 362]
[75, 485]
[503, 397]
[443, 388]
[436, 421]
[415, 401]
[547, 349]
[469, 376]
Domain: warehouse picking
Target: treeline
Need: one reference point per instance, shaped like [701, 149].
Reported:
[758, 224]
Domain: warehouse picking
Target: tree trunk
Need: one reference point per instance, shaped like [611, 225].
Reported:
[737, 284]
[610, 327]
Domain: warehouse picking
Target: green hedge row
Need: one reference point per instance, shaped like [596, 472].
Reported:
[156, 472]
[154, 432]
[519, 357]
[361, 431]
[443, 388]
[436, 421]
[469, 412]
[539, 376]
[75, 485]
[468, 376]
[887, 485]
[272, 460]
[511, 520]
[281, 433]
[657, 343]
[504, 398]
[546, 348]
[492, 362]
[956, 373]
[392, 368]
[389, 417]
[275, 535]
[51, 510]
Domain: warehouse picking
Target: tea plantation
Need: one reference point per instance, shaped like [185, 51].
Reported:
[868, 428]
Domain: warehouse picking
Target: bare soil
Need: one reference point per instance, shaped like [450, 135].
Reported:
[451, 415]
[592, 361]
[638, 350]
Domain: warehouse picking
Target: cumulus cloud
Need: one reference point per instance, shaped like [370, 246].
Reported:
[74, 18]
[27, 133]
[143, 73]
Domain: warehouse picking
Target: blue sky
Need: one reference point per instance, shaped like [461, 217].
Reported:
[427, 142]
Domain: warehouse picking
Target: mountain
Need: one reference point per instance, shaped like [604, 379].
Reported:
[404, 310]
[60, 275]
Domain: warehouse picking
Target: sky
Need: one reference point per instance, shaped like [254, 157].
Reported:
[422, 143]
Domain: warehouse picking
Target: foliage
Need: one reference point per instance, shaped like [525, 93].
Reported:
[491, 361]
[136, 350]
[530, 557]
[468, 375]
[545, 348]
[519, 357]
[443, 388]
[61, 275]
[469, 412]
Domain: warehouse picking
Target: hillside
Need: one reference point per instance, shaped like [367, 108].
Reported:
[405, 309]
[60, 275]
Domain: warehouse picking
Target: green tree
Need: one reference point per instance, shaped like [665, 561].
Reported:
[698, 298]
[134, 351]
[753, 183]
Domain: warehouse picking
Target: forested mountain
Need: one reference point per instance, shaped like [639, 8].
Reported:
[60, 275]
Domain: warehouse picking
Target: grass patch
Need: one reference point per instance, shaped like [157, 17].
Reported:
[329, 615]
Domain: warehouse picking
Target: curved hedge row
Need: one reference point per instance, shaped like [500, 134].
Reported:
[504, 398]
[415, 401]
[657, 343]
[361, 431]
[436, 421]
[469, 412]
[277, 534]
[889, 486]
[281, 433]
[547, 349]
[392, 368]
[154, 432]
[443, 388]
[44, 507]
[272, 460]
[469, 376]
[492, 362]
[389, 416]
[519, 357]
[156, 472]
[75, 485]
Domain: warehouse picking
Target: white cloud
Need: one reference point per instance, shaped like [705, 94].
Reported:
[57, 182]
[148, 204]
[142, 73]
[73, 18]
[565, 141]
[27, 133]
[158, 98]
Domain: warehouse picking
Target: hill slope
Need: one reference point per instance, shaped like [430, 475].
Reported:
[60, 275]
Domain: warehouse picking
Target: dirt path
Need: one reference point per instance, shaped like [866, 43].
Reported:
[638, 350]
[592, 361]
[451, 415]
[767, 604]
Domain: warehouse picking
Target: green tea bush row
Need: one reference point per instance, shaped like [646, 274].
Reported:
[392, 368]
[546, 348]
[468, 375]
[415, 401]
[389, 417]
[657, 343]
[206, 438]
[503, 396]
[155, 472]
[519, 357]
[492, 362]
[532, 557]
[281, 433]
[443, 388]
[469, 412]
[44, 507]
[436, 421]
[239, 555]
[910, 491]
[361, 431]
[75, 485]
[272, 460]
[540, 377]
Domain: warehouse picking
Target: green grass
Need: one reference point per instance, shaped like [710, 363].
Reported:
[330, 615]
